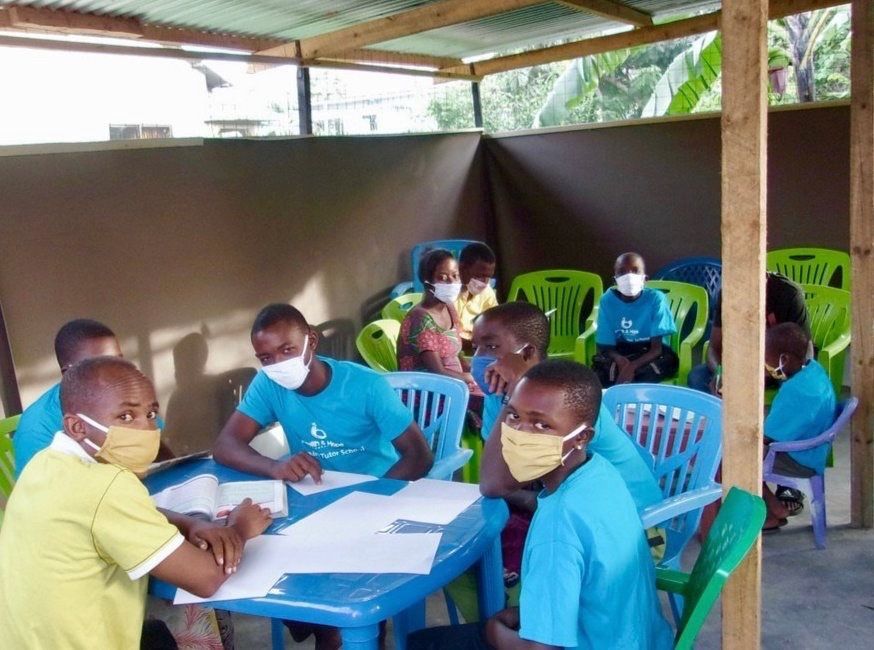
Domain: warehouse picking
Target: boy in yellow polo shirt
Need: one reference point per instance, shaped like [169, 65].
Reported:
[476, 266]
[81, 534]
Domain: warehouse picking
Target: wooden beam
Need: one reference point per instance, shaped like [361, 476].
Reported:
[421, 19]
[396, 58]
[744, 223]
[633, 38]
[612, 10]
[862, 253]
[69, 22]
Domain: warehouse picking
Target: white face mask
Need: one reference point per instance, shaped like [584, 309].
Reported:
[630, 284]
[446, 292]
[290, 373]
[476, 287]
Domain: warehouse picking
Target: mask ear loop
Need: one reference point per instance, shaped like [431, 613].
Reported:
[572, 434]
[97, 426]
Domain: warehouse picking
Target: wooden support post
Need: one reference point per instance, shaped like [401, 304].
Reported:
[744, 222]
[862, 252]
[304, 101]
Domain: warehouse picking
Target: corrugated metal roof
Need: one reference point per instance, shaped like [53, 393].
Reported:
[296, 19]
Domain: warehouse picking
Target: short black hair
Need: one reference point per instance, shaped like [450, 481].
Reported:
[84, 380]
[476, 252]
[278, 312]
[74, 333]
[580, 385]
[523, 320]
[787, 338]
[628, 255]
[429, 262]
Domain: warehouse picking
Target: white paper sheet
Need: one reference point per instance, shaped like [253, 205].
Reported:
[356, 514]
[330, 481]
[433, 489]
[372, 553]
[259, 569]
[436, 502]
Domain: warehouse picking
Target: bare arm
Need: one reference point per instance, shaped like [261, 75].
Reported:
[432, 361]
[416, 457]
[502, 632]
[232, 447]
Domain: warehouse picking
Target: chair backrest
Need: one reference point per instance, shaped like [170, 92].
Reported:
[704, 271]
[830, 327]
[377, 343]
[397, 308]
[563, 293]
[688, 304]
[822, 266]
[7, 458]
[438, 404]
[730, 538]
[454, 246]
[678, 431]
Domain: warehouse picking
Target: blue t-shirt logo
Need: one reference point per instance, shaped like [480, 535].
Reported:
[315, 432]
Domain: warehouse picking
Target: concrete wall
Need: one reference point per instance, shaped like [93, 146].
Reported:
[160, 243]
[576, 199]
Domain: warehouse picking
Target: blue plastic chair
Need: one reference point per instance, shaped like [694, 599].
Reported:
[684, 462]
[454, 246]
[814, 486]
[704, 271]
[439, 407]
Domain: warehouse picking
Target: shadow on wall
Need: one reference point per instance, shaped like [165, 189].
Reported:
[337, 339]
[201, 403]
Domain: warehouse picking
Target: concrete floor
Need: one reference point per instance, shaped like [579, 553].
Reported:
[811, 599]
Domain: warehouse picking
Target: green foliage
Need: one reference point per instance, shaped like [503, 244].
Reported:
[689, 76]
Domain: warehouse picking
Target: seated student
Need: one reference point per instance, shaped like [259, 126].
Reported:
[430, 338]
[634, 327]
[784, 303]
[79, 339]
[587, 577]
[80, 533]
[803, 408]
[510, 339]
[336, 415]
[476, 265]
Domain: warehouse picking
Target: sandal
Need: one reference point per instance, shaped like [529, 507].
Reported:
[774, 529]
[792, 500]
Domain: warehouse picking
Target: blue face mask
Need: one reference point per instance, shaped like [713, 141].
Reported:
[478, 365]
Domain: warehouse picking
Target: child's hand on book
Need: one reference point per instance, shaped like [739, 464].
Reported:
[249, 519]
[225, 543]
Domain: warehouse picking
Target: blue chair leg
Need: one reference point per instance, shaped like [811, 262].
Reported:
[451, 609]
[277, 634]
[817, 510]
[406, 622]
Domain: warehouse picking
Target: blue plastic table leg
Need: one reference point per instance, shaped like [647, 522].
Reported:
[408, 621]
[490, 581]
[360, 638]
[277, 634]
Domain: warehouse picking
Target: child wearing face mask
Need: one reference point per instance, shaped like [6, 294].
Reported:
[587, 578]
[476, 266]
[634, 327]
[430, 336]
[803, 408]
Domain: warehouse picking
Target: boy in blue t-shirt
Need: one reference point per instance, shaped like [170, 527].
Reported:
[803, 408]
[634, 328]
[587, 577]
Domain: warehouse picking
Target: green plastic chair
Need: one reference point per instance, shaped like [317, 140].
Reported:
[822, 266]
[730, 538]
[397, 308]
[689, 306]
[7, 460]
[830, 328]
[378, 344]
[562, 295]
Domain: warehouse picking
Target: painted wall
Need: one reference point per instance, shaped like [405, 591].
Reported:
[576, 199]
[164, 242]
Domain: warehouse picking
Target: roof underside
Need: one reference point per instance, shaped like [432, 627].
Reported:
[289, 20]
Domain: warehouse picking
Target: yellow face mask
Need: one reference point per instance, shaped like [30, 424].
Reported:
[532, 455]
[134, 449]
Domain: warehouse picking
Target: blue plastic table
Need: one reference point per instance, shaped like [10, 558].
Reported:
[357, 603]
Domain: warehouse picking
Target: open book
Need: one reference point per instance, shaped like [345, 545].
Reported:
[204, 495]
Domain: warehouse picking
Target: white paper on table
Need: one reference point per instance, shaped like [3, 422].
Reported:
[354, 515]
[259, 569]
[331, 480]
[436, 502]
[371, 553]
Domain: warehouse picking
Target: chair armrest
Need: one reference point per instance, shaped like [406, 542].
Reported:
[400, 289]
[680, 504]
[671, 580]
[444, 468]
[584, 343]
[802, 445]
[836, 347]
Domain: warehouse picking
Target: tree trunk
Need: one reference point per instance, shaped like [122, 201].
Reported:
[798, 30]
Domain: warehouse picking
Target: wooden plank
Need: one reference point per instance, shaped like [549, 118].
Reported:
[423, 18]
[633, 38]
[612, 10]
[744, 223]
[71, 22]
[862, 253]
